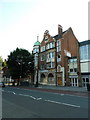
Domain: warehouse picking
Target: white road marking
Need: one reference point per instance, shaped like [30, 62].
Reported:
[71, 105]
[39, 98]
[62, 94]
[30, 97]
[23, 95]
[33, 97]
[14, 93]
[10, 92]
[62, 103]
[27, 96]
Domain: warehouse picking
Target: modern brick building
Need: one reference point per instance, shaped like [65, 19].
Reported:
[57, 60]
[85, 62]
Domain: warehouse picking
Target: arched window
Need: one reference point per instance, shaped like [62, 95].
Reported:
[42, 77]
[50, 77]
[58, 58]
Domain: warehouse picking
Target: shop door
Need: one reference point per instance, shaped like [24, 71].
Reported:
[60, 81]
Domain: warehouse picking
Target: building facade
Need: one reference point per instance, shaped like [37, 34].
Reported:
[85, 62]
[57, 60]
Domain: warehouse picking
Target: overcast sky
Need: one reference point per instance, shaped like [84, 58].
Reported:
[22, 20]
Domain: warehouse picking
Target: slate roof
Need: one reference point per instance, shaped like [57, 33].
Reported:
[59, 35]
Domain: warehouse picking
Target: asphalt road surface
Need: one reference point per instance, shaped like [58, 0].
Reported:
[26, 103]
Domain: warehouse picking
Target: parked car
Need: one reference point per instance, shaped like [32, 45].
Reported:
[2, 84]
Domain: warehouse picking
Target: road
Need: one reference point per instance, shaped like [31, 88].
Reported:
[26, 103]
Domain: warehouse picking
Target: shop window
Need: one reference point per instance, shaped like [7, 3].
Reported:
[50, 77]
[85, 81]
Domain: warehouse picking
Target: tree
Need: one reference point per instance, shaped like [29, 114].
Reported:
[1, 61]
[20, 63]
[4, 64]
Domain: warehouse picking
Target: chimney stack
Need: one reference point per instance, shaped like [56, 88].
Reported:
[59, 29]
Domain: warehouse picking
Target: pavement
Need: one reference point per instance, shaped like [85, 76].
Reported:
[71, 88]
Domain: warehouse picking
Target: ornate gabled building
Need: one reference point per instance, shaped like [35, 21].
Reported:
[57, 60]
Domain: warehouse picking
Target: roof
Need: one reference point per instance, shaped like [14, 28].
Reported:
[84, 42]
[59, 35]
[37, 43]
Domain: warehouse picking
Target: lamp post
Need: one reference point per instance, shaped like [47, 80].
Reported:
[29, 72]
[20, 62]
[56, 59]
[37, 55]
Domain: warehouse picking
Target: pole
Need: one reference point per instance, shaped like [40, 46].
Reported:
[56, 60]
[37, 70]
[37, 79]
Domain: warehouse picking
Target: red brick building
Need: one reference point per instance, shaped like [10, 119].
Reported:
[57, 59]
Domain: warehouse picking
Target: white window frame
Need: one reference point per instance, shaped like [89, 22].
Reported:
[58, 59]
[42, 48]
[58, 45]
[85, 83]
[52, 55]
[73, 83]
[52, 64]
[42, 59]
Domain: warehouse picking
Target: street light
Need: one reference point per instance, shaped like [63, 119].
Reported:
[20, 62]
[36, 85]
[56, 59]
